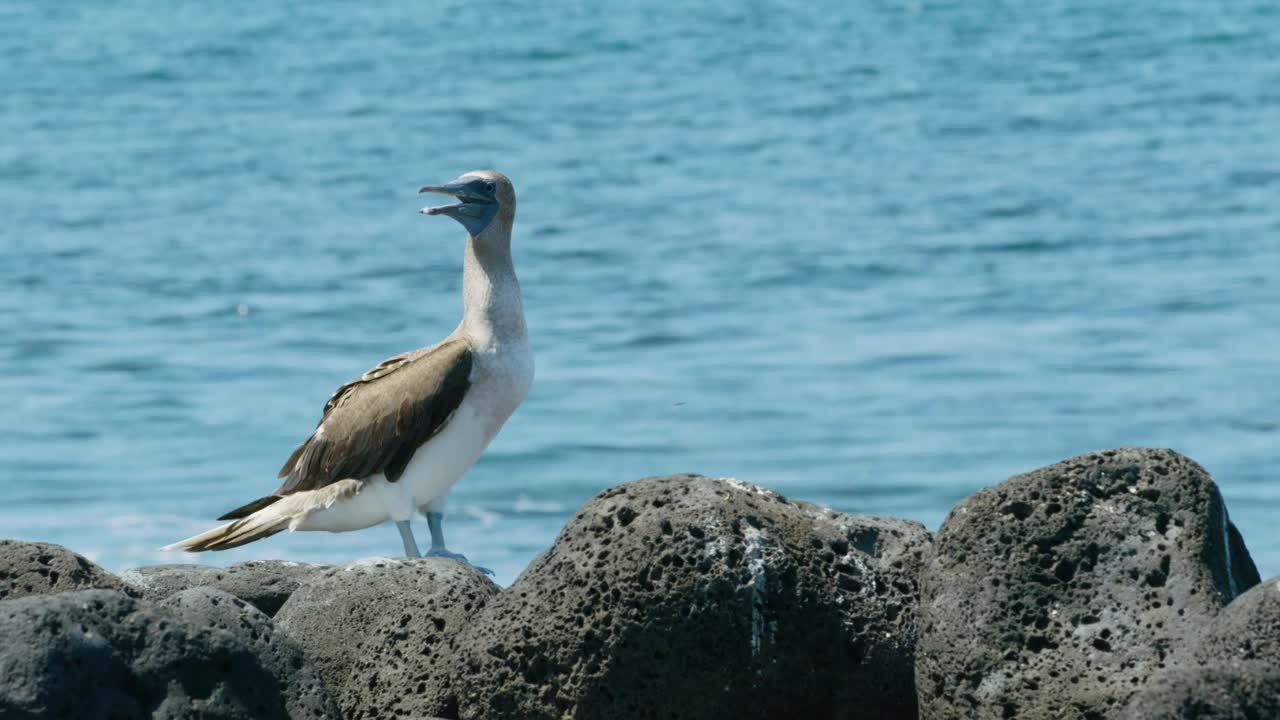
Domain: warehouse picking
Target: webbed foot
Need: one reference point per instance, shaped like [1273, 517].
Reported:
[447, 553]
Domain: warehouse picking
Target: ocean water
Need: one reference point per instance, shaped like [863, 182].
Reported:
[873, 255]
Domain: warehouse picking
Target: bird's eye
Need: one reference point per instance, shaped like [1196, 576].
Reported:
[490, 186]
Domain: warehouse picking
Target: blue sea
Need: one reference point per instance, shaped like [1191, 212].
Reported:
[875, 255]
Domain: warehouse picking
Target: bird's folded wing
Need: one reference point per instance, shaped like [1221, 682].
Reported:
[375, 423]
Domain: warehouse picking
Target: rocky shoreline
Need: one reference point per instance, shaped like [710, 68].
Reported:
[1109, 585]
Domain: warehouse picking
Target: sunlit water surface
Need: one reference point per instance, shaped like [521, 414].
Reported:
[874, 255]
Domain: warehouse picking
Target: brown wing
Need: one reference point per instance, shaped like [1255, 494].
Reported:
[375, 423]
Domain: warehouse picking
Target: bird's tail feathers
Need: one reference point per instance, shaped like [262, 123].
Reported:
[249, 508]
[274, 515]
[261, 524]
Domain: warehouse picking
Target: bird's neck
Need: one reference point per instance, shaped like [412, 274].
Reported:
[492, 310]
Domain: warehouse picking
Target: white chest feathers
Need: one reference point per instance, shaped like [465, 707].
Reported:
[501, 376]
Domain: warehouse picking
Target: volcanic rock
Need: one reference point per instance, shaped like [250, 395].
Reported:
[1234, 670]
[265, 584]
[686, 596]
[101, 653]
[1062, 591]
[373, 629]
[31, 568]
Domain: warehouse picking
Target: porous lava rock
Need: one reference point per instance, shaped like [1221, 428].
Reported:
[1060, 592]
[265, 584]
[101, 653]
[215, 610]
[32, 568]
[1234, 669]
[687, 596]
[374, 628]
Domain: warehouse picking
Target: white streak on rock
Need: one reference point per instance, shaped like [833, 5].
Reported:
[759, 585]
[746, 487]
[716, 545]
[136, 579]
[369, 563]
[826, 516]
[1226, 550]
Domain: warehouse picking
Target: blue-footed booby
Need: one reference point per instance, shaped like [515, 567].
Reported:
[395, 440]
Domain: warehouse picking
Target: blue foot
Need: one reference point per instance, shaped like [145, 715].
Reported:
[446, 553]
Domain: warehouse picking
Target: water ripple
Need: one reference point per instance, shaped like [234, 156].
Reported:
[876, 255]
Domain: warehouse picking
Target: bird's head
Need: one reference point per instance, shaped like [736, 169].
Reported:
[485, 200]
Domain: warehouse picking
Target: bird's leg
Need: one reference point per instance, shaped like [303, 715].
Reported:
[435, 522]
[406, 534]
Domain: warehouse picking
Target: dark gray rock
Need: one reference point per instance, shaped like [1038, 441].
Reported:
[1060, 592]
[100, 653]
[1234, 670]
[214, 610]
[1206, 693]
[31, 568]
[265, 584]
[373, 628]
[1247, 631]
[686, 596]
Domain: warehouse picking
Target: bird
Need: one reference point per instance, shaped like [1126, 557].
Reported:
[393, 441]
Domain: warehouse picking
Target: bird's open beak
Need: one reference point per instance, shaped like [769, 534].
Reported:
[477, 204]
[472, 203]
